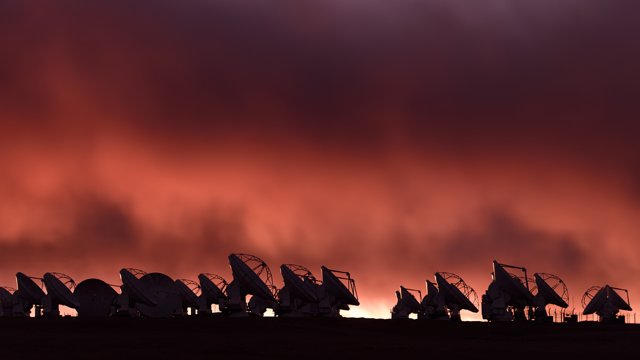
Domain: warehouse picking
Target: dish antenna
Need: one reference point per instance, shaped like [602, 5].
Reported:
[407, 303]
[6, 301]
[508, 294]
[96, 298]
[189, 294]
[299, 295]
[163, 292]
[133, 292]
[29, 294]
[456, 294]
[59, 292]
[213, 291]
[433, 304]
[337, 292]
[551, 290]
[251, 276]
[605, 302]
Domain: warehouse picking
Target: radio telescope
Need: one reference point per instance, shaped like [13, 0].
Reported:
[133, 292]
[337, 292]
[251, 276]
[456, 294]
[165, 294]
[407, 303]
[189, 294]
[605, 302]
[508, 294]
[433, 304]
[28, 295]
[6, 301]
[551, 290]
[59, 292]
[96, 298]
[213, 290]
[299, 295]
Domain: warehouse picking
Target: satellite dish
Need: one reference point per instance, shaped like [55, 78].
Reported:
[6, 294]
[189, 291]
[407, 303]
[96, 298]
[29, 294]
[551, 290]
[433, 304]
[21, 307]
[6, 301]
[337, 292]
[333, 284]
[300, 282]
[508, 295]
[617, 300]
[605, 302]
[300, 294]
[432, 292]
[512, 284]
[59, 288]
[593, 299]
[134, 289]
[252, 275]
[410, 299]
[553, 294]
[213, 287]
[457, 294]
[29, 290]
[164, 294]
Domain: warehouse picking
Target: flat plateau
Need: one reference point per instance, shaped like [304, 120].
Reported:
[289, 338]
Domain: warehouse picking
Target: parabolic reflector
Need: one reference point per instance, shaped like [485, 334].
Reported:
[136, 290]
[188, 289]
[511, 285]
[605, 302]
[549, 293]
[451, 292]
[617, 300]
[22, 306]
[95, 297]
[59, 287]
[597, 300]
[213, 287]
[432, 292]
[409, 299]
[165, 294]
[346, 293]
[29, 290]
[432, 289]
[253, 275]
[6, 296]
[300, 282]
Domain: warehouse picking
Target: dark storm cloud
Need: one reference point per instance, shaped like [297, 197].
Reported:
[103, 224]
[511, 75]
[102, 233]
[97, 227]
[505, 239]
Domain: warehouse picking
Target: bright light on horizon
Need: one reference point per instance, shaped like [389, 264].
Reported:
[375, 311]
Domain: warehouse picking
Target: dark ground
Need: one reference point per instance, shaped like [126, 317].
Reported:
[197, 338]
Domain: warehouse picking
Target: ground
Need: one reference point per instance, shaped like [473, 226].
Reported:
[281, 338]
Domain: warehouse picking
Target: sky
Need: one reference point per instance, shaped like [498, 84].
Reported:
[390, 139]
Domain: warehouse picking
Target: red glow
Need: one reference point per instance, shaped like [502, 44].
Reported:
[164, 139]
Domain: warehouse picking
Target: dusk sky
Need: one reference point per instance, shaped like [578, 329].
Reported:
[390, 139]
